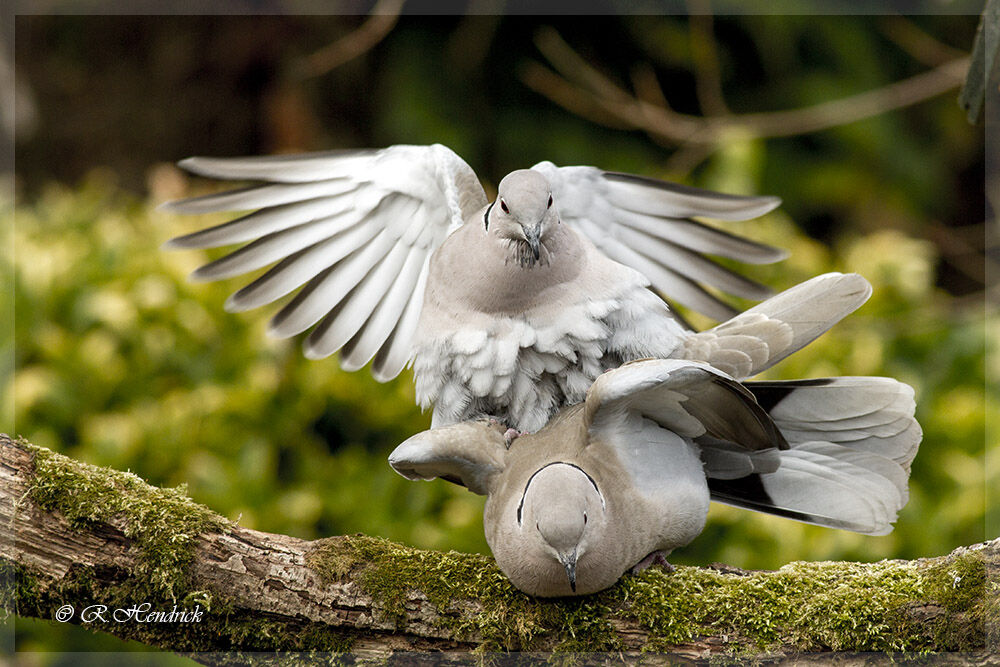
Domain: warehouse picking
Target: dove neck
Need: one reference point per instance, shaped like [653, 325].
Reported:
[487, 273]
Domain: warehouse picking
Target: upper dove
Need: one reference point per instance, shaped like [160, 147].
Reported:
[508, 309]
[626, 476]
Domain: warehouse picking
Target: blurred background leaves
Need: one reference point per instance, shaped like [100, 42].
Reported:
[119, 361]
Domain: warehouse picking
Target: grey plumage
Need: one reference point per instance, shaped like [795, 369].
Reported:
[509, 309]
[631, 470]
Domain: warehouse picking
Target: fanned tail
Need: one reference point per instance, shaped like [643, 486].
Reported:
[851, 441]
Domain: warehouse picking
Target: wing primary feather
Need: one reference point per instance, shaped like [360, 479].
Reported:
[362, 348]
[395, 353]
[649, 195]
[326, 290]
[678, 287]
[694, 265]
[273, 247]
[295, 270]
[700, 237]
[261, 223]
[354, 310]
[292, 168]
[261, 196]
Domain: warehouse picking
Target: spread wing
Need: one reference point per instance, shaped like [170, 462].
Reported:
[649, 225]
[354, 229]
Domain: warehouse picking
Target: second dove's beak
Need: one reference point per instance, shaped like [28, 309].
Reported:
[569, 563]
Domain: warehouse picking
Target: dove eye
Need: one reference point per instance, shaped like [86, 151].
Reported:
[549, 205]
[503, 205]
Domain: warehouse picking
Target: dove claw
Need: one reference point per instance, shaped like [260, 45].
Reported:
[655, 558]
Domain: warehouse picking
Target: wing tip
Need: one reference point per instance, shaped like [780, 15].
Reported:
[776, 254]
[850, 285]
[313, 353]
[192, 241]
[753, 206]
[176, 243]
[194, 164]
[203, 274]
[235, 304]
[168, 206]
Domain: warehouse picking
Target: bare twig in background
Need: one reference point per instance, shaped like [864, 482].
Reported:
[470, 43]
[963, 248]
[705, 58]
[862, 105]
[683, 160]
[383, 18]
[584, 90]
[919, 44]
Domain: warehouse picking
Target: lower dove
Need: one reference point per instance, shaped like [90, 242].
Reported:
[627, 475]
[507, 309]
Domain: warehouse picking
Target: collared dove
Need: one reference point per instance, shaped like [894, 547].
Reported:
[506, 309]
[628, 474]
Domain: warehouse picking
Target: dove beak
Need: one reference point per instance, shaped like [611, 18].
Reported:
[569, 562]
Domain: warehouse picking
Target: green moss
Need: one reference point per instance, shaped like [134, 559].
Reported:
[507, 619]
[814, 606]
[164, 524]
[388, 572]
[19, 587]
[958, 586]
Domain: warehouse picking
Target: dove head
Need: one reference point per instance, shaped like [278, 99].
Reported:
[563, 510]
[523, 214]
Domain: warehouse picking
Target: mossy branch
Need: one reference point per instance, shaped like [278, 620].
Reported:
[86, 536]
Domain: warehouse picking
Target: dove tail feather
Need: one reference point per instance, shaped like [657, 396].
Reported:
[851, 440]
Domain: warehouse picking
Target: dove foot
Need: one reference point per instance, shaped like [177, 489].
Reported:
[512, 434]
[655, 558]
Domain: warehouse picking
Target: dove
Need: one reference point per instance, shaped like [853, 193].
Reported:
[629, 474]
[625, 477]
[508, 309]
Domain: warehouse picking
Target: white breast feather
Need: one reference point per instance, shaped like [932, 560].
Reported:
[522, 369]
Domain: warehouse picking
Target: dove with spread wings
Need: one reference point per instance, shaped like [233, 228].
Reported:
[508, 309]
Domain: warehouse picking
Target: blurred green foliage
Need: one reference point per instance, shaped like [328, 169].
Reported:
[119, 361]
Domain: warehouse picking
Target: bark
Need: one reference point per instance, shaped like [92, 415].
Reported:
[73, 544]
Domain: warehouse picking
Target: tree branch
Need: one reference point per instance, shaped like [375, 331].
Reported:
[705, 59]
[380, 23]
[89, 540]
[582, 89]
